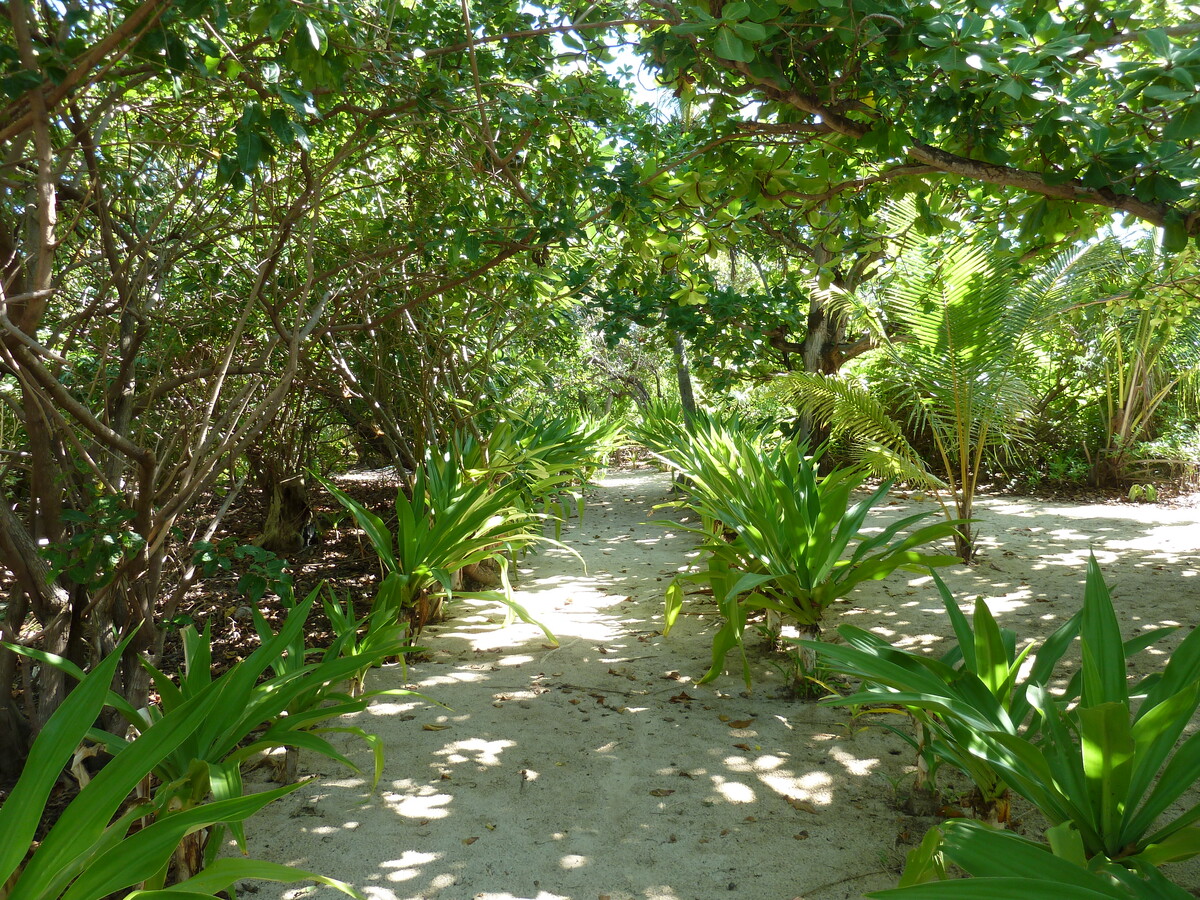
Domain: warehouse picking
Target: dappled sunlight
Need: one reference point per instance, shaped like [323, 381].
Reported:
[1008, 602]
[420, 802]
[386, 708]
[476, 750]
[852, 764]
[599, 767]
[733, 791]
[816, 787]
[442, 679]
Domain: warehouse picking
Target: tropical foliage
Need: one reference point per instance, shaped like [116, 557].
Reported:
[1106, 763]
[956, 330]
[777, 537]
[450, 522]
[95, 849]
[244, 241]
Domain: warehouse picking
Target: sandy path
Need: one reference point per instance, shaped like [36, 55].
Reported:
[600, 770]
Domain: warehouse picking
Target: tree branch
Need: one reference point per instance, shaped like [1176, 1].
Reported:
[966, 167]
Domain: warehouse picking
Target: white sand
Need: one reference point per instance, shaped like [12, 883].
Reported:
[600, 770]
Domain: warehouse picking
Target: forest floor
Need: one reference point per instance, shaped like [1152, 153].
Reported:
[599, 769]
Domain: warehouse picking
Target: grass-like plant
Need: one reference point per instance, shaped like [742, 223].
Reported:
[1004, 865]
[549, 458]
[357, 646]
[977, 677]
[781, 539]
[94, 849]
[1104, 760]
[274, 698]
[451, 521]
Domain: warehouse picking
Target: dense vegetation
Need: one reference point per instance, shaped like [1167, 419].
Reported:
[244, 244]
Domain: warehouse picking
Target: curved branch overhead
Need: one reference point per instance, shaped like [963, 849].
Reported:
[1099, 112]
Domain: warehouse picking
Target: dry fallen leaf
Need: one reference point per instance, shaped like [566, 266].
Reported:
[742, 746]
[741, 723]
[672, 676]
[802, 836]
[749, 819]
[470, 840]
[661, 792]
[802, 805]
[682, 697]
[428, 727]
[723, 718]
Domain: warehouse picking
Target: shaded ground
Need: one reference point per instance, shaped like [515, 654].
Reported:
[598, 769]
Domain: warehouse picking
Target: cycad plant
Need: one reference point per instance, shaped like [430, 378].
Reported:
[955, 329]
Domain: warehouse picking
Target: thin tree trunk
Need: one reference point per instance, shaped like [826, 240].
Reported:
[684, 375]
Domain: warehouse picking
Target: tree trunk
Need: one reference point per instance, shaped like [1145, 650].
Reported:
[288, 510]
[683, 373]
[820, 354]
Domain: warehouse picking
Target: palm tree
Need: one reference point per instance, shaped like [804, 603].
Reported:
[956, 329]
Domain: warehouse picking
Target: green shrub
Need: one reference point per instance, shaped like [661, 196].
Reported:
[94, 849]
[794, 543]
[1103, 762]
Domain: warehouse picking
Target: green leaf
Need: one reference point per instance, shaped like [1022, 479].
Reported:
[1108, 749]
[674, 603]
[729, 46]
[750, 31]
[1158, 42]
[1175, 236]
[316, 35]
[1102, 648]
[222, 873]
[1184, 126]
[280, 22]
[23, 808]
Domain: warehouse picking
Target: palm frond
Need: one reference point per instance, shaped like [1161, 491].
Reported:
[847, 408]
[883, 462]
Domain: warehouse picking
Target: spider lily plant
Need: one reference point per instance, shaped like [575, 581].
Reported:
[1005, 865]
[796, 542]
[977, 679]
[450, 522]
[254, 715]
[1092, 759]
[95, 850]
